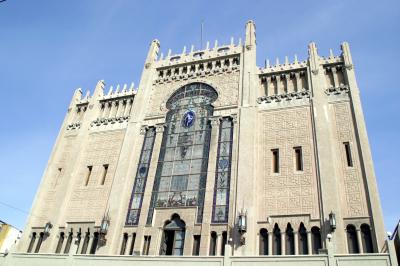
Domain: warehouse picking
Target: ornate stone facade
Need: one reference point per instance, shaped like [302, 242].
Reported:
[211, 150]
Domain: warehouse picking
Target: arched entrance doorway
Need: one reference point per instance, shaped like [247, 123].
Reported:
[173, 237]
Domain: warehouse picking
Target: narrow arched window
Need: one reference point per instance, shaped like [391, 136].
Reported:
[303, 247]
[85, 243]
[316, 239]
[366, 238]
[289, 240]
[263, 242]
[60, 242]
[223, 242]
[124, 242]
[33, 239]
[213, 244]
[277, 248]
[68, 244]
[39, 243]
[95, 243]
[132, 244]
[352, 239]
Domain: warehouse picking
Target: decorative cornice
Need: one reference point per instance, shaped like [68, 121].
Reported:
[342, 89]
[112, 120]
[73, 126]
[288, 97]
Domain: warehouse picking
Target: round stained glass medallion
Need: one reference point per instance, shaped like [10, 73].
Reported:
[188, 118]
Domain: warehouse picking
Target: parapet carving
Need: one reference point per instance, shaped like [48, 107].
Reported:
[284, 97]
[342, 89]
[199, 69]
[201, 63]
[73, 126]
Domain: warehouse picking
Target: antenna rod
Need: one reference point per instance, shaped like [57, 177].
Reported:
[201, 35]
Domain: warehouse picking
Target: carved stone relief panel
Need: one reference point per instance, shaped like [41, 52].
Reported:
[88, 202]
[290, 191]
[226, 84]
[52, 183]
[353, 189]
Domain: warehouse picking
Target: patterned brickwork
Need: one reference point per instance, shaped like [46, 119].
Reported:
[226, 84]
[288, 192]
[53, 184]
[88, 203]
[352, 177]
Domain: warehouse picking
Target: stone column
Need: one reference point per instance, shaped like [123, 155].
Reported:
[298, 81]
[219, 239]
[296, 242]
[128, 244]
[283, 243]
[208, 197]
[309, 242]
[64, 244]
[359, 241]
[74, 246]
[270, 237]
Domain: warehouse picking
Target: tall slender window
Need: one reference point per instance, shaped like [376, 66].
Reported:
[366, 238]
[132, 244]
[85, 243]
[263, 242]
[68, 244]
[223, 172]
[60, 242]
[141, 176]
[277, 248]
[124, 242]
[182, 166]
[316, 239]
[275, 160]
[223, 242]
[352, 242]
[95, 243]
[213, 244]
[347, 149]
[146, 246]
[298, 154]
[104, 175]
[303, 247]
[88, 173]
[39, 243]
[196, 245]
[33, 239]
[289, 240]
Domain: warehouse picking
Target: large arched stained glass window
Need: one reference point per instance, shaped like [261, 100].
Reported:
[182, 167]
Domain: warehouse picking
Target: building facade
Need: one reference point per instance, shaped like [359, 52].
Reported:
[9, 236]
[211, 150]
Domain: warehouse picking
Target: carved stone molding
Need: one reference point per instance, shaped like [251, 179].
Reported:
[73, 126]
[143, 129]
[111, 120]
[288, 97]
[215, 121]
[160, 128]
[234, 118]
[342, 89]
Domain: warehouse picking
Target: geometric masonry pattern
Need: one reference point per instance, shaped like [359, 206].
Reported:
[288, 192]
[353, 184]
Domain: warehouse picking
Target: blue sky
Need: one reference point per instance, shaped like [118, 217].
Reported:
[49, 48]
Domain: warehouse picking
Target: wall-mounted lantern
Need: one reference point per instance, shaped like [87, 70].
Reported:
[47, 228]
[332, 221]
[105, 224]
[242, 222]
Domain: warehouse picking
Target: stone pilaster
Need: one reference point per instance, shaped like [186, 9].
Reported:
[209, 195]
